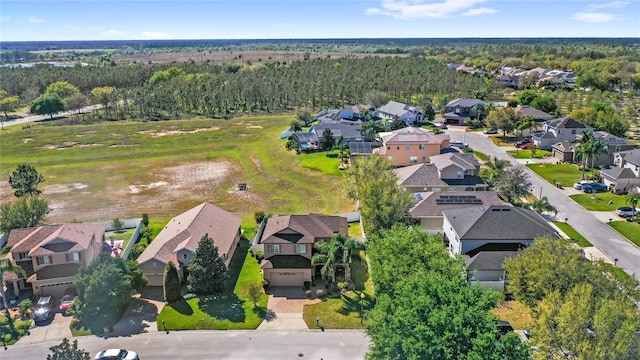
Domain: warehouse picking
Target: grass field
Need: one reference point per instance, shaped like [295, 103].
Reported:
[630, 230]
[230, 310]
[162, 168]
[516, 313]
[321, 162]
[566, 174]
[573, 234]
[526, 154]
[480, 156]
[600, 201]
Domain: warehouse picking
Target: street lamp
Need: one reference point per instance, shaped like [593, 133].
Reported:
[361, 300]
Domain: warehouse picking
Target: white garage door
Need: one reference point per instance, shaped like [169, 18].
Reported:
[154, 280]
[287, 278]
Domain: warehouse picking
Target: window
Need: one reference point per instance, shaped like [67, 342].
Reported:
[413, 159]
[43, 260]
[573, 132]
[407, 147]
[274, 249]
[388, 147]
[301, 249]
[459, 175]
[23, 255]
[424, 159]
[73, 257]
[421, 146]
[185, 256]
[398, 147]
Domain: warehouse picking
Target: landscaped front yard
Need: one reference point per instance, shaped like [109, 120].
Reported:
[231, 310]
[20, 327]
[630, 230]
[600, 201]
[572, 234]
[528, 154]
[565, 174]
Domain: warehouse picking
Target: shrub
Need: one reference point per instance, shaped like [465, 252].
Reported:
[307, 285]
[259, 255]
[171, 283]
[189, 296]
[331, 288]
[308, 293]
[24, 307]
[265, 284]
[320, 293]
[342, 286]
[259, 216]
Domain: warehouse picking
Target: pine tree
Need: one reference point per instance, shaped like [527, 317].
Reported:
[207, 270]
[171, 283]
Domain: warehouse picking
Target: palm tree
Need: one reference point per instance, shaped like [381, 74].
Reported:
[597, 147]
[7, 266]
[633, 198]
[340, 250]
[528, 122]
[542, 205]
[496, 167]
[369, 130]
[584, 148]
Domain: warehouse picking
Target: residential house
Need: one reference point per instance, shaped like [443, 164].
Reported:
[288, 241]
[565, 150]
[624, 175]
[469, 231]
[348, 132]
[486, 264]
[353, 115]
[430, 205]
[51, 255]
[411, 145]
[362, 149]
[450, 172]
[178, 240]
[528, 111]
[407, 113]
[557, 130]
[508, 81]
[460, 109]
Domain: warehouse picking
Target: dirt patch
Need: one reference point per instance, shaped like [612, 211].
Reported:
[122, 145]
[64, 188]
[136, 189]
[157, 134]
[254, 127]
[256, 162]
[26, 140]
[67, 144]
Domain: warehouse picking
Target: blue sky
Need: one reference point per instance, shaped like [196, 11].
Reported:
[27, 20]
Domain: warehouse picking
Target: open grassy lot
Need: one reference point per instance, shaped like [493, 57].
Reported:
[322, 162]
[566, 174]
[527, 154]
[516, 313]
[600, 201]
[162, 168]
[630, 230]
[231, 310]
[572, 234]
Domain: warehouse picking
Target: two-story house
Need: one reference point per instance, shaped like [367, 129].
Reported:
[459, 109]
[624, 175]
[449, 172]
[558, 130]
[178, 240]
[407, 113]
[566, 150]
[411, 145]
[472, 232]
[288, 241]
[52, 254]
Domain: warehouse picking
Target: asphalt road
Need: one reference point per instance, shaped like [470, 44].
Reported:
[239, 345]
[607, 240]
[34, 118]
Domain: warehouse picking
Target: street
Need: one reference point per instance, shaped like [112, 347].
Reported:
[599, 234]
[255, 345]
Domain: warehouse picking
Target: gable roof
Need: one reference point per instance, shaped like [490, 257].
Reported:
[413, 135]
[419, 175]
[338, 129]
[396, 108]
[187, 229]
[303, 229]
[515, 223]
[617, 173]
[465, 102]
[465, 161]
[55, 238]
[563, 146]
[530, 111]
[610, 139]
[431, 204]
[631, 156]
[567, 123]
[488, 260]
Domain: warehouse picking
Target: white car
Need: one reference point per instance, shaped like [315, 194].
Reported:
[116, 354]
[578, 185]
[626, 211]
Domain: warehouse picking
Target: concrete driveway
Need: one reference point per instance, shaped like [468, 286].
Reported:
[284, 309]
[141, 314]
[56, 328]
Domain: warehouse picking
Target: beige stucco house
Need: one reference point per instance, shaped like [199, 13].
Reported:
[179, 239]
[624, 175]
[288, 246]
[51, 255]
[410, 145]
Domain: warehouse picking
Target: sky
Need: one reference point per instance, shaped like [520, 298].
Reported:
[47, 20]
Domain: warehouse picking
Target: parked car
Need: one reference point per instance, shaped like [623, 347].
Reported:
[67, 300]
[458, 144]
[594, 187]
[491, 131]
[42, 310]
[116, 354]
[581, 183]
[527, 145]
[503, 327]
[626, 211]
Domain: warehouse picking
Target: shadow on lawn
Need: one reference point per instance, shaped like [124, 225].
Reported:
[224, 307]
[182, 306]
[235, 266]
[351, 304]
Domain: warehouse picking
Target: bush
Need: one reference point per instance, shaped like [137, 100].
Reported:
[189, 296]
[25, 307]
[265, 284]
[136, 250]
[320, 293]
[342, 286]
[308, 293]
[171, 283]
[259, 216]
[259, 255]
[331, 288]
[307, 285]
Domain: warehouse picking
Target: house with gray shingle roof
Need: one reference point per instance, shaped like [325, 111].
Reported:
[288, 246]
[459, 109]
[178, 240]
[557, 130]
[624, 175]
[446, 172]
[407, 113]
[51, 255]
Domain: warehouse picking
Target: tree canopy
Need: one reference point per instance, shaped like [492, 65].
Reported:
[25, 212]
[24, 180]
[512, 183]
[63, 89]
[207, 269]
[68, 351]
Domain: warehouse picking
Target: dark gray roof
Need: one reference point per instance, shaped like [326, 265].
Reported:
[428, 205]
[564, 146]
[419, 175]
[566, 123]
[548, 135]
[466, 102]
[345, 130]
[631, 156]
[488, 260]
[615, 173]
[57, 271]
[467, 180]
[514, 223]
[290, 262]
[610, 139]
[362, 148]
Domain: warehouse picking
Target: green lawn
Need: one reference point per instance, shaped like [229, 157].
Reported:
[526, 154]
[124, 235]
[622, 277]
[11, 336]
[480, 155]
[321, 162]
[230, 310]
[573, 234]
[500, 140]
[516, 313]
[344, 312]
[566, 174]
[354, 230]
[630, 230]
[600, 201]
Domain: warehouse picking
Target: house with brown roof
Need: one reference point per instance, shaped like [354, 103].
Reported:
[447, 172]
[411, 145]
[288, 246]
[179, 240]
[429, 206]
[51, 255]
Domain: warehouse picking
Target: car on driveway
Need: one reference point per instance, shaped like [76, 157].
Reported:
[43, 309]
[490, 131]
[116, 354]
[458, 144]
[594, 187]
[581, 183]
[67, 301]
[626, 211]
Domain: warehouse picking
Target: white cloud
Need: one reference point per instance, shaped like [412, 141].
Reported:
[154, 34]
[594, 17]
[417, 9]
[4, 19]
[608, 5]
[479, 11]
[113, 32]
[35, 20]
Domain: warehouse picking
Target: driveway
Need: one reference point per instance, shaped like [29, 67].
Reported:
[284, 309]
[53, 329]
[141, 314]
